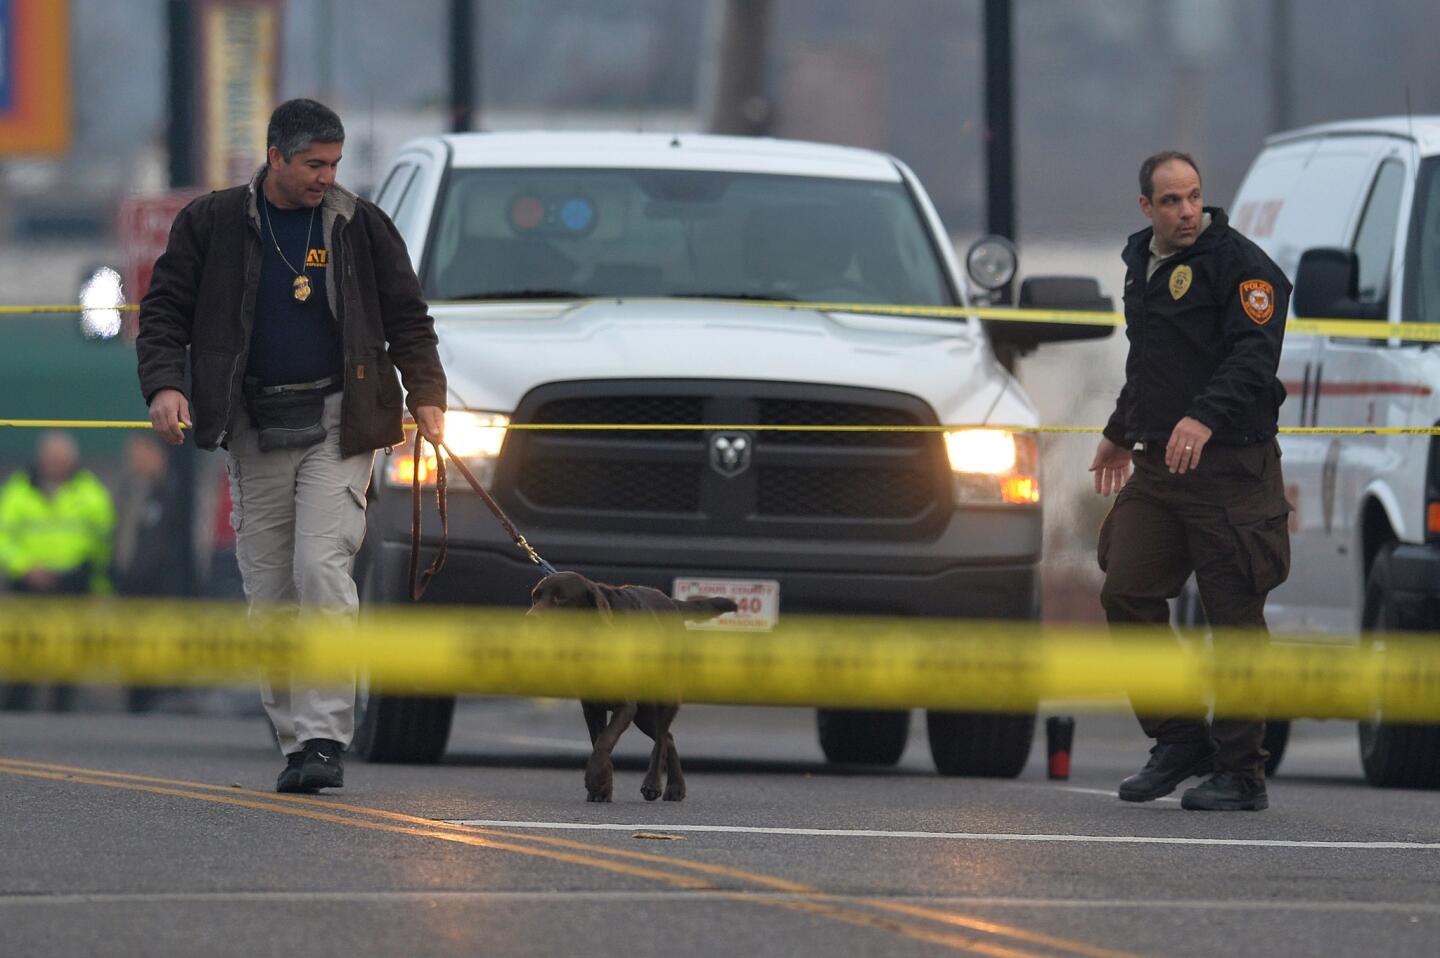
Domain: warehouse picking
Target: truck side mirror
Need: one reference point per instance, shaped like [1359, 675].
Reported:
[1327, 286]
[1058, 293]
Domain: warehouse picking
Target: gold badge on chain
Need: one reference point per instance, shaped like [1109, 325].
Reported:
[1180, 281]
[302, 287]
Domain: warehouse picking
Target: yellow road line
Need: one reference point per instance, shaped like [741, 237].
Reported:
[584, 854]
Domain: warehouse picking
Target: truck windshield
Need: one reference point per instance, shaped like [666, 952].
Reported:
[1422, 270]
[550, 234]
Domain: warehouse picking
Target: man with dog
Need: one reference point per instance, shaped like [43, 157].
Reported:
[1197, 418]
[291, 303]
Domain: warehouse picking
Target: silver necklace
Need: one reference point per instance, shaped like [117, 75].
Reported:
[301, 284]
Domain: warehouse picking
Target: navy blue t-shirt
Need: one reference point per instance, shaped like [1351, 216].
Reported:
[292, 342]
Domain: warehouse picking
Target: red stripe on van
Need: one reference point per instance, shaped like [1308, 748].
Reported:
[1364, 389]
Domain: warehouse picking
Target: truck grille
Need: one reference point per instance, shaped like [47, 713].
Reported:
[794, 484]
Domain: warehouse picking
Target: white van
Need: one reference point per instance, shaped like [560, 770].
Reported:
[616, 278]
[1351, 212]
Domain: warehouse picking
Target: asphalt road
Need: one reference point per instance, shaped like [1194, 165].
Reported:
[159, 835]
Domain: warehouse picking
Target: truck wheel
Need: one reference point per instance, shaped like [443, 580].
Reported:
[980, 744]
[852, 737]
[406, 729]
[1277, 736]
[1395, 755]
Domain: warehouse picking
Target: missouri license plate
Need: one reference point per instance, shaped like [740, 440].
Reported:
[758, 602]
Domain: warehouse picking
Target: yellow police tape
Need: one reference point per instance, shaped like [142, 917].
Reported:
[1339, 328]
[756, 427]
[836, 662]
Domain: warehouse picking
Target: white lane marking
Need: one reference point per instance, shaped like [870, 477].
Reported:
[440, 895]
[565, 743]
[954, 836]
[1108, 793]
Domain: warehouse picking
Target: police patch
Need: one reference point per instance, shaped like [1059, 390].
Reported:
[1258, 299]
[1180, 281]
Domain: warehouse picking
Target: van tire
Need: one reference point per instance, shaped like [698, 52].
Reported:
[980, 744]
[1394, 755]
[403, 729]
[855, 737]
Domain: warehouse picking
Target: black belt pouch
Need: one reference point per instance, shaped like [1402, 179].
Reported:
[288, 417]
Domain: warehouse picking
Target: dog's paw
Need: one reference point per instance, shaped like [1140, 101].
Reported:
[675, 792]
[597, 796]
[651, 792]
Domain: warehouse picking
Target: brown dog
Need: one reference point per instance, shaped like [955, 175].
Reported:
[605, 720]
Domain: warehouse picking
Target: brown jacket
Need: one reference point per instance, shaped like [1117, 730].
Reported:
[201, 306]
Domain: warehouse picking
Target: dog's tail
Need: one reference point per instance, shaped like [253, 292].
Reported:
[705, 607]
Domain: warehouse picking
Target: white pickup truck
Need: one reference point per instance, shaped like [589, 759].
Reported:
[603, 278]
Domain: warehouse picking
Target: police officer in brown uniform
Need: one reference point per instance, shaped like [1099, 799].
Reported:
[1205, 317]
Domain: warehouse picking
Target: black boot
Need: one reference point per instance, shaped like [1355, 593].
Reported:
[1227, 792]
[1169, 765]
[289, 780]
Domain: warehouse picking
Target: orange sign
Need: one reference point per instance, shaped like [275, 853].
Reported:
[34, 76]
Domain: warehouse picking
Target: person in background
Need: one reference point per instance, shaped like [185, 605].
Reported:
[56, 523]
[147, 562]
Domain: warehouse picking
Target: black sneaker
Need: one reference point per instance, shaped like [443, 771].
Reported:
[1227, 792]
[322, 767]
[289, 780]
[1169, 765]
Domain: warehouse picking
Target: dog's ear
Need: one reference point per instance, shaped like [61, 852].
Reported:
[595, 591]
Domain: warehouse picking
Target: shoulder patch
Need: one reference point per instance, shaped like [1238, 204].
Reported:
[1258, 298]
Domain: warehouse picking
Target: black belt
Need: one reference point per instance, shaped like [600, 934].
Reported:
[318, 384]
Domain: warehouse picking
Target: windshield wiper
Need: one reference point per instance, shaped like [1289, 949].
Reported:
[522, 294]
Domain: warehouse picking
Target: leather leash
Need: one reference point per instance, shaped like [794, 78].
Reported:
[419, 585]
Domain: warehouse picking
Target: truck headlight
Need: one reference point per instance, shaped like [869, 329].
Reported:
[994, 465]
[475, 437]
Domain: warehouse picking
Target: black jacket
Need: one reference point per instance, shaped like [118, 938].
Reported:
[1205, 334]
[201, 302]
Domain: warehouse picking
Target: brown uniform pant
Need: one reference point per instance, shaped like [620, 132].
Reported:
[1227, 522]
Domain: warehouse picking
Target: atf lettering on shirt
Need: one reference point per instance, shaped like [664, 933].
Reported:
[318, 258]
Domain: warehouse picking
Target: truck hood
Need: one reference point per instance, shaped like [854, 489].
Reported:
[495, 353]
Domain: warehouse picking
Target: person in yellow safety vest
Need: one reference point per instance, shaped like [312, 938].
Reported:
[56, 524]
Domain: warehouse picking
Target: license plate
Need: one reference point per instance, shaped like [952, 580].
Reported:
[758, 601]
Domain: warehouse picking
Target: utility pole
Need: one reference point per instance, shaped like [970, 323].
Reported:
[1281, 102]
[740, 106]
[999, 120]
[184, 172]
[463, 92]
[180, 81]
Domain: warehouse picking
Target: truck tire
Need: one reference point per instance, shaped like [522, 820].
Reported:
[980, 744]
[405, 729]
[1394, 755]
[1277, 736]
[854, 737]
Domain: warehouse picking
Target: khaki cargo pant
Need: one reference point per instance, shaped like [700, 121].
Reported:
[1228, 522]
[299, 519]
